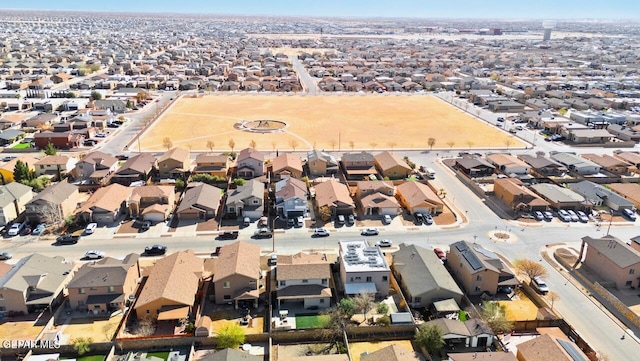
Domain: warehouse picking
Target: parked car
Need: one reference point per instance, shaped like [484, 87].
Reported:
[39, 229]
[369, 232]
[386, 219]
[299, 221]
[15, 229]
[263, 233]
[145, 226]
[539, 285]
[548, 216]
[321, 232]
[440, 253]
[273, 259]
[340, 221]
[564, 216]
[101, 135]
[5, 256]
[291, 222]
[94, 254]
[630, 214]
[505, 289]
[419, 219]
[351, 219]
[26, 230]
[583, 217]
[90, 228]
[539, 216]
[428, 219]
[384, 243]
[228, 235]
[69, 238]
[122, 157]
[155, 250]
[573, 215]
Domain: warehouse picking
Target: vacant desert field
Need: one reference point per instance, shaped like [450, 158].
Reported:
[325, 122]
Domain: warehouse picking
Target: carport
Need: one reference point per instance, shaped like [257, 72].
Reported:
[357, 288]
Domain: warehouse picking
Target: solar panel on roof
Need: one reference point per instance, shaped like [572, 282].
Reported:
[570, 348]
[473, 261]
[461, 246]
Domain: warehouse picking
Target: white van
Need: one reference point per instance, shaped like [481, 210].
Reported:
[430, 173]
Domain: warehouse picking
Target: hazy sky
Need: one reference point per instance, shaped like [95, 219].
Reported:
[512, 9]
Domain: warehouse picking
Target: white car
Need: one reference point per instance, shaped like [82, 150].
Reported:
[321, 232]
[573, 215]
[90, 228]
[539, 285]
[386, 219]
[101, 135]
[94, 254]
[369, 232]
[384, 243]
[583, 217]
[629, 213]
[15, 229]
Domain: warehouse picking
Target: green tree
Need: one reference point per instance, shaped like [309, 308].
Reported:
[96, 95]
[382, 308]
[21, 172]
[363, 302]
[430, 337]
[347, 306]
[50, 149]
[239, 182]
[230, 335]
[82, 345]
[129, 104]
[411, 164]
[495, 315]
[180, 185]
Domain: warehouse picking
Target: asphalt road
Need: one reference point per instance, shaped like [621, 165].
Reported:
[308, 82]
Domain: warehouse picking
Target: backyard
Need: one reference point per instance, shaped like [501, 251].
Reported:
[323, 122]
[19, 330]
[98, 330]
[358, 348]
[312, 321]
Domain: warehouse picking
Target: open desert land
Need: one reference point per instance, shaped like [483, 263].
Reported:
[332, 122]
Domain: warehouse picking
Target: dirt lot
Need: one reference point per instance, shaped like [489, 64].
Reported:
[357, 348]
[324, 122]
[98, 330]
[520, 309]
[19, 330]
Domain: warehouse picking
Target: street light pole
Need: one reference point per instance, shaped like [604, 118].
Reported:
[610, 220]
[273, 234]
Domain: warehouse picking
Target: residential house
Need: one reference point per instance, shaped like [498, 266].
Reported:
[286, 165]
[598, 195]
[105, 205]
[477, 269]
[212, 164]
[560, 197]
[363, 268]
[610, 164]
[630, 191]
[106, 285]
[629, 157]
[303, 280]
[55, 165]
[474, 167]
[229, 354]
[391, 166]
[321, 163]
[470, 333]
[378, 198]
[116, 106]
[170, 290]
[35, 283]
[553, 344]
[13, 199]
[9, 136]
[422, 277]
[135, 169]
[589, 136]
[199, 201]
[250, 163]
[152, 203]
[513, 193]
[174, 163]
[96, 167]
[237, 274]
[544, 166]
[576, 163]
[508, 164]
[613, 260]
[60, 140]
[246, 201]
[418, 197]
[6, 169]
[357, 166]
[333, 198]
[291, 198]
[391, 353]
[55, 203]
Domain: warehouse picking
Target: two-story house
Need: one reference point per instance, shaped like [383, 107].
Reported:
[508, 164]
[55, 203]
[321, 163]
[136, 168]
[303, 279]
[35, 283]
[363, 269]
[55, 165]
[377, 198]
[514, 194]
[291, 197]
[246, 201]
[237, 274]
[96, 167]
[613, 260]
[105, 205]
[250, 163]
[152, 203]
[212, 164]
[106, 285]
[286, 165]
[199, 201]
[174, 163]
[357, 166]
[13, 199]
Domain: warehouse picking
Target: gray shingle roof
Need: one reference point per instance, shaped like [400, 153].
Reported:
[614, 249]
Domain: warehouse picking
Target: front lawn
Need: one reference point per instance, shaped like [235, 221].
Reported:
[162, 355]
[21, 146]
[312, 321]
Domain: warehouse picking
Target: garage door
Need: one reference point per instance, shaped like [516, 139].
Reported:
[154, 217]
[103, 218]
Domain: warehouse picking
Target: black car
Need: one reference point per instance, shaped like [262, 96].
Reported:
[228, 235]
[418, 218]
[155, 250]
[67, 239]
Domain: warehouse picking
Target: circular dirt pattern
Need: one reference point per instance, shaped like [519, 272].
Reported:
[501, 235]
[261, 126]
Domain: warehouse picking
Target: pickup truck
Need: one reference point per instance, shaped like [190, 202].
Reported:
[263, 233]
[228, 235]
[69, 238]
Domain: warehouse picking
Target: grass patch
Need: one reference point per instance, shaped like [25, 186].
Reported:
[21, 146]
[163, 355]
[89, 358]
[312, 321]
